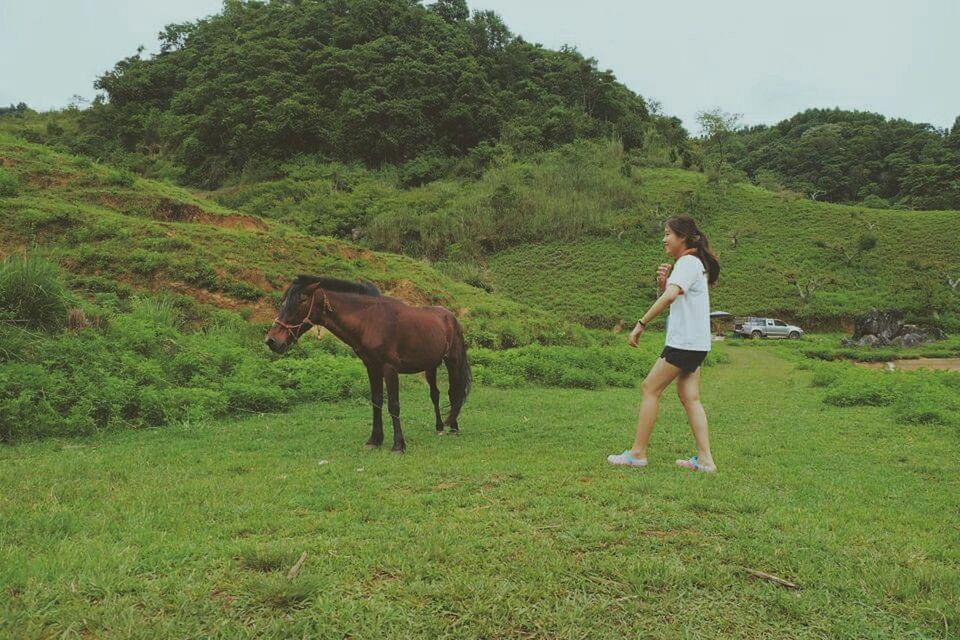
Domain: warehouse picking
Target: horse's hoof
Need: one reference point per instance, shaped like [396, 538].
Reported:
[370, 445]
[439, 433]
[455, 433]
[398, 451]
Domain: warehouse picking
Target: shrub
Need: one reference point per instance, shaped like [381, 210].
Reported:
[9, 184]
[243, 290]
[148, 262]
[864, 388]
[119, 178]
[249, 395]
[32, 293]
[36, 219]
[200, 274]
[867, 241]
[424, 169]
[825, 376]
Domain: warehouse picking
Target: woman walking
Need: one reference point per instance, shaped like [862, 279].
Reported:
[684, 288]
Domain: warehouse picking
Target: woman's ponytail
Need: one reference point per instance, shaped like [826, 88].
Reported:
[686, 228]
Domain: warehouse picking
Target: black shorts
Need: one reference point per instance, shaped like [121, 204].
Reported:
[689, 361]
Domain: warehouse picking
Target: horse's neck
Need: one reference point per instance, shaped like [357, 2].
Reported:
[342, 316]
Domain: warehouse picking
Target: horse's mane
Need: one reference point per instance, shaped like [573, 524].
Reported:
[333, 284]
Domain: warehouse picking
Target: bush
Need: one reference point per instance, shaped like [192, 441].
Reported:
[9, 184]
[199, 273]
[243, 290]
[867, 389]
[119, 178]
[32, 293]
[867, 241]
[424, 169]
[824, 376]
[36, 220]
[148, 262]
[583, 368]
[249, 395]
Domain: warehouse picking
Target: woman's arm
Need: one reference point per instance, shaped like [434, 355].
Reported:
[669, 295]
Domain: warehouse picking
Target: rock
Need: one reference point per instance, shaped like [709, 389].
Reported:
[912, 339]
[883, 324]
[869, 340]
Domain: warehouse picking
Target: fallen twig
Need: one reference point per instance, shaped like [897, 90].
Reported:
[296, 568]
[775, 579]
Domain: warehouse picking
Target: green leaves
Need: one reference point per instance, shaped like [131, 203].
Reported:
[378, 81]
[852, 156]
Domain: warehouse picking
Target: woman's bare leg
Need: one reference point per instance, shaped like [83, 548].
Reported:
[660, 376]
[688, 388]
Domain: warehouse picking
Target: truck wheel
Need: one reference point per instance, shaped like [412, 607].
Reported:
[756, 334]
[794, 335]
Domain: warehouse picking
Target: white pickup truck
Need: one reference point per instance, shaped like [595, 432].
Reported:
[766, 328]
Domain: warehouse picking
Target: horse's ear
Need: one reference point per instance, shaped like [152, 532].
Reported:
[309, 290]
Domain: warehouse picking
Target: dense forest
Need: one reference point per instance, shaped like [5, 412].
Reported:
[855, 156]
[375, 81]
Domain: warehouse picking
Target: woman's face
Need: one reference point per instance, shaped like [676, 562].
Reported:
[672, 243]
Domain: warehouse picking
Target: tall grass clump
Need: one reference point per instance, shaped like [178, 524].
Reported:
[32, 294]
[9, 184]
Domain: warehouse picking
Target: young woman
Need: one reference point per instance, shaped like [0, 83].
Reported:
[685, 290]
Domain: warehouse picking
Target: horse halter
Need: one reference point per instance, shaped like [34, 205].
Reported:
[306, 319]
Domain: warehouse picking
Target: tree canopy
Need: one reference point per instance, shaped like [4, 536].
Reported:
[857, 156]
[377, 81]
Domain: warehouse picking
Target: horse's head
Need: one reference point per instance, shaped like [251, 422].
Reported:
[301, 309]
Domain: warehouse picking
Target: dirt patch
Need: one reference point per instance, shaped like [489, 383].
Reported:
[261, 311]
[112, 201]
[7, 162]
[235, 221]
[409, 292]
[254, 277]
[172, 211]
[354, 253]
[939, 364]
[48, 180]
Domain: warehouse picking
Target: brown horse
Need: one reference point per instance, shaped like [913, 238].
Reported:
[390, 338]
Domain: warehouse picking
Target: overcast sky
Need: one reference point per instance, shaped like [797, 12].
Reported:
[765, 59]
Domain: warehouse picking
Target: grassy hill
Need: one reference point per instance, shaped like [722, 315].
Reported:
[577, 231]
[158, 281]
[114, 232]
[844, 260]
[548, 244]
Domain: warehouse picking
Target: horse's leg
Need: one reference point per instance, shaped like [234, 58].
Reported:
[435, 396]
[393, 403]
[375, 373]
[453, 375]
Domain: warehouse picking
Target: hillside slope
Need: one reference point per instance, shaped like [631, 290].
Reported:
[111, 230]
[780, 254]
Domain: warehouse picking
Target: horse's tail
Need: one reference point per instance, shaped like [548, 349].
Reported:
[458, 369]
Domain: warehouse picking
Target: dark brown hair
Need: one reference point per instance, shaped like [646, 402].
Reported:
[686, 228]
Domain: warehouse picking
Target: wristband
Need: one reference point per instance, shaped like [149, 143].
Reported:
[642, 323]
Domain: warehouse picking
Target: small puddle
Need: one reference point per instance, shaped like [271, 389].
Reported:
[940, 364]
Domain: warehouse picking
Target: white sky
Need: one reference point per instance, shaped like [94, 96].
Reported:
[766, 59]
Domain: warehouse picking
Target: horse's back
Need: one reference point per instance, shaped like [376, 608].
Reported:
[420, 336]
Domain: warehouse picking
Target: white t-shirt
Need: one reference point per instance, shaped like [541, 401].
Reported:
[689, 324]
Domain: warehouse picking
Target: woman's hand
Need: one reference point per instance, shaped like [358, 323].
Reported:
[635, 334]
[663, 273]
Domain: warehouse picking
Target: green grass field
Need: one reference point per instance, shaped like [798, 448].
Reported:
[516, 529]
